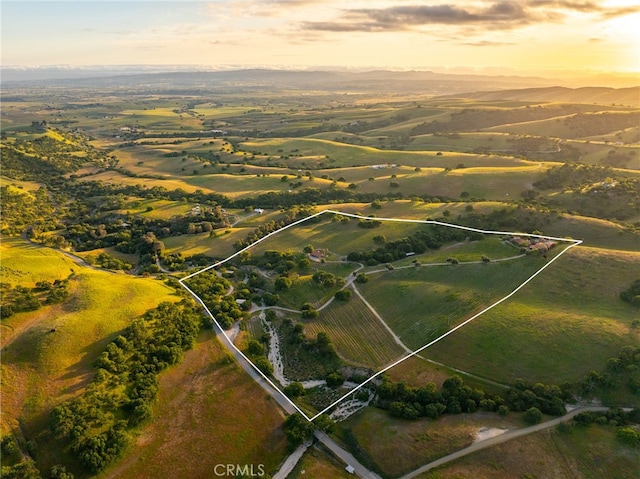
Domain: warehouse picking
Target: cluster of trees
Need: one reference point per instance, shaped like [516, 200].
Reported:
[571, 175]
[21, 209]
[369, 223]
[326, 279]
[430, 237]
[298, 429]
[279, 261]
[311, 196]
[308, 311]
[212, 290]
[21, 298]
[343, 295]
[613, 417]
[632, 295]
[45, 156]
[14, 466]
[106, 261]
[307, 357]
[257, 353]
[547, 398]
[95, 426]
[623, 369]
[454, 397]
[522, 218]
[128, 236]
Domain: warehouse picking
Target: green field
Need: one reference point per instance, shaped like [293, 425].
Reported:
[563, 324]
[48, 354]
[336, 237]
[26, 264]
[420, 304]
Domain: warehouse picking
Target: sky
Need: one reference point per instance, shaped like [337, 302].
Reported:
[487, 36]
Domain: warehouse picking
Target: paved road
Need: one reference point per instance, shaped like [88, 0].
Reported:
[292, 460]
[346, 457]
[500, 439]
[283, 401]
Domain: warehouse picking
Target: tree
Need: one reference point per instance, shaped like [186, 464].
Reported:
[255, 348]
[60, 472]
[324, 423]
[379, 239]
[362, 278]
[309, 312]
[632, 295]
[628, 436]
[297, 429]
[294, 390]
[334, 379]
[304, 263]
[263, 364]
[532, 415]
[343, 295]
[283, 283]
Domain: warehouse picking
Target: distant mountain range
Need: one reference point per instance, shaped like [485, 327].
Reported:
[377, 81]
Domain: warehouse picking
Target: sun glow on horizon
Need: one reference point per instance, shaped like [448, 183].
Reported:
[523, 36]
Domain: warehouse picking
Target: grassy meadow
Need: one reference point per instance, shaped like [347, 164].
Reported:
[205, 400]
[566, 322]
[394, 447]
[588, 452]
[48, 354]
[422, 303]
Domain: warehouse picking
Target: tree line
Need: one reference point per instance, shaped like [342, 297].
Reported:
[96, 426]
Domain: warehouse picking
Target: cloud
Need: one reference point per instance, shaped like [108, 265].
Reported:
[497, 15]
[408, 17]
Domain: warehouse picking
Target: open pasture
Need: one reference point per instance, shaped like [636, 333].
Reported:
[422, 303]
[590, 452]
[336, 154]
[26, 264]
[337, 237]
[219, 245]
[396, 446]
[594, 232]
[566, 322]
[205, 400]
[493, 183]
[492, 246]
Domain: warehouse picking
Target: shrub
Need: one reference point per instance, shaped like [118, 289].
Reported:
[532, 415]
[628, 436]
[343, 295]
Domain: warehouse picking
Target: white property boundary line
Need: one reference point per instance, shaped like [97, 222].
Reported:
[399, 220]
